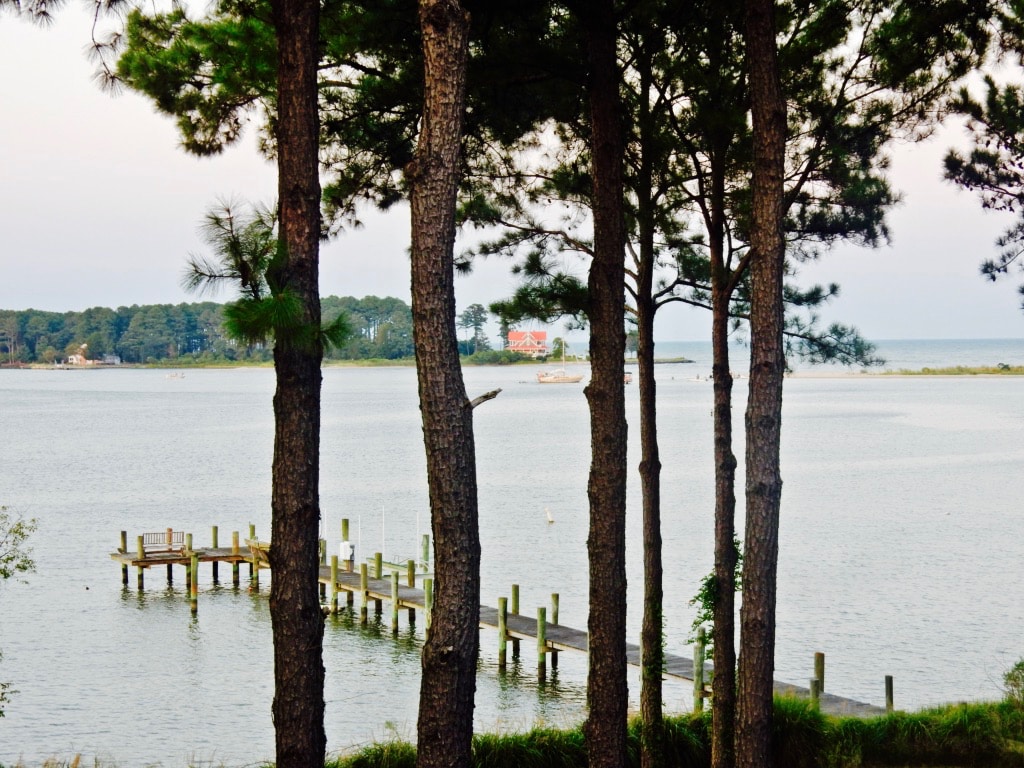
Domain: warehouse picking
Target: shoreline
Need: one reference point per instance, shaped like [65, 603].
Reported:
[820, 372]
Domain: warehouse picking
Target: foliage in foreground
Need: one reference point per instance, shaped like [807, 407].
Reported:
[961, 735]
[15, 561]
[990, 735]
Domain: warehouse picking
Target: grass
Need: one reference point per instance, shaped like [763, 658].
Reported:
[964, 370]
[955, 736]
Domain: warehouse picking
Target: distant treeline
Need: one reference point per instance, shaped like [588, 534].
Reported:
[382, 328]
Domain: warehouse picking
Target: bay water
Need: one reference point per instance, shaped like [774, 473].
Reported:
[901, 548]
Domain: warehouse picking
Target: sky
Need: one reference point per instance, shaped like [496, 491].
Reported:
[99, 206]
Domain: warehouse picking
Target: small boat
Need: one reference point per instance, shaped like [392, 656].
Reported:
[559, 376]
[627, 378]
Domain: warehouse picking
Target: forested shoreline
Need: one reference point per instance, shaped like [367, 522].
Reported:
[381, 328]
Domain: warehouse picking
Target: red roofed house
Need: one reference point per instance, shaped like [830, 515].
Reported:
[532, 343]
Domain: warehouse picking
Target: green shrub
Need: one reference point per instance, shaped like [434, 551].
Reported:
[1013, 682]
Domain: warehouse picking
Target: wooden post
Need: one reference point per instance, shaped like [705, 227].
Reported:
[554, 620]
[426, 552]
[378, 573]
[254, 559]
[170, 537]
[888, 695]
[123, 549]
[815, 693]
[234, 563]
[348, 565]
[334, 583]
[394, 602]
[515, 612]
[819, 669]
[189, 574]
[542, 642]
[194, 589]
[213, 545]
[699, 651]
[410, 581]
[363, 590]
[323, 561]
[254, 575]
[502, 631]
[141, 552]
[428, 599]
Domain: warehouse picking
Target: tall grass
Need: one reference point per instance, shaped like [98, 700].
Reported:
[957, 736]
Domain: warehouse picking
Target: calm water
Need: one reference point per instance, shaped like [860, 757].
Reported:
[902, 545]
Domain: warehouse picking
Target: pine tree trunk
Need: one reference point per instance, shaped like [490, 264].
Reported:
[607, 695]
[764, 402]
[723, 683]
[298, 706]
[448, 683]
[652, 652]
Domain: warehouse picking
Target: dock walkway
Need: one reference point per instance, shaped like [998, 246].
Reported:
[335, 581]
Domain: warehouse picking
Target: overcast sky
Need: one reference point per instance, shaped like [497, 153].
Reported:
[100, 207]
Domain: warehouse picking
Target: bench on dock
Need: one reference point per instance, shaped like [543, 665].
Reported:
[164, 541]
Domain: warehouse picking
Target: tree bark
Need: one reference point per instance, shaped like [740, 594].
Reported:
[652, 652]
[298, 706]
[764, 404]
[448, 683]
[607, 694]
[723, 683]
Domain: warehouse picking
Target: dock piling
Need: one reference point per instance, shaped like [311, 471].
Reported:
[234, 551]
[542, 642]
[349, 563]
[254, 563]
[888, 695]
[815, 687]
[410, 581]
[378, 573]
[502, 631]
[323, 546]
[515, 612]
[194, 588]
[141, 552]
[213, 545]
[124, 549]
[189, 572]
[819, 669]
[554, 620]
[334, 583]
[428, 600]
[364, 591]
[394, 602]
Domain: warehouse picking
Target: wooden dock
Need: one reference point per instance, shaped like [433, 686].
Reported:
[398, 588]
